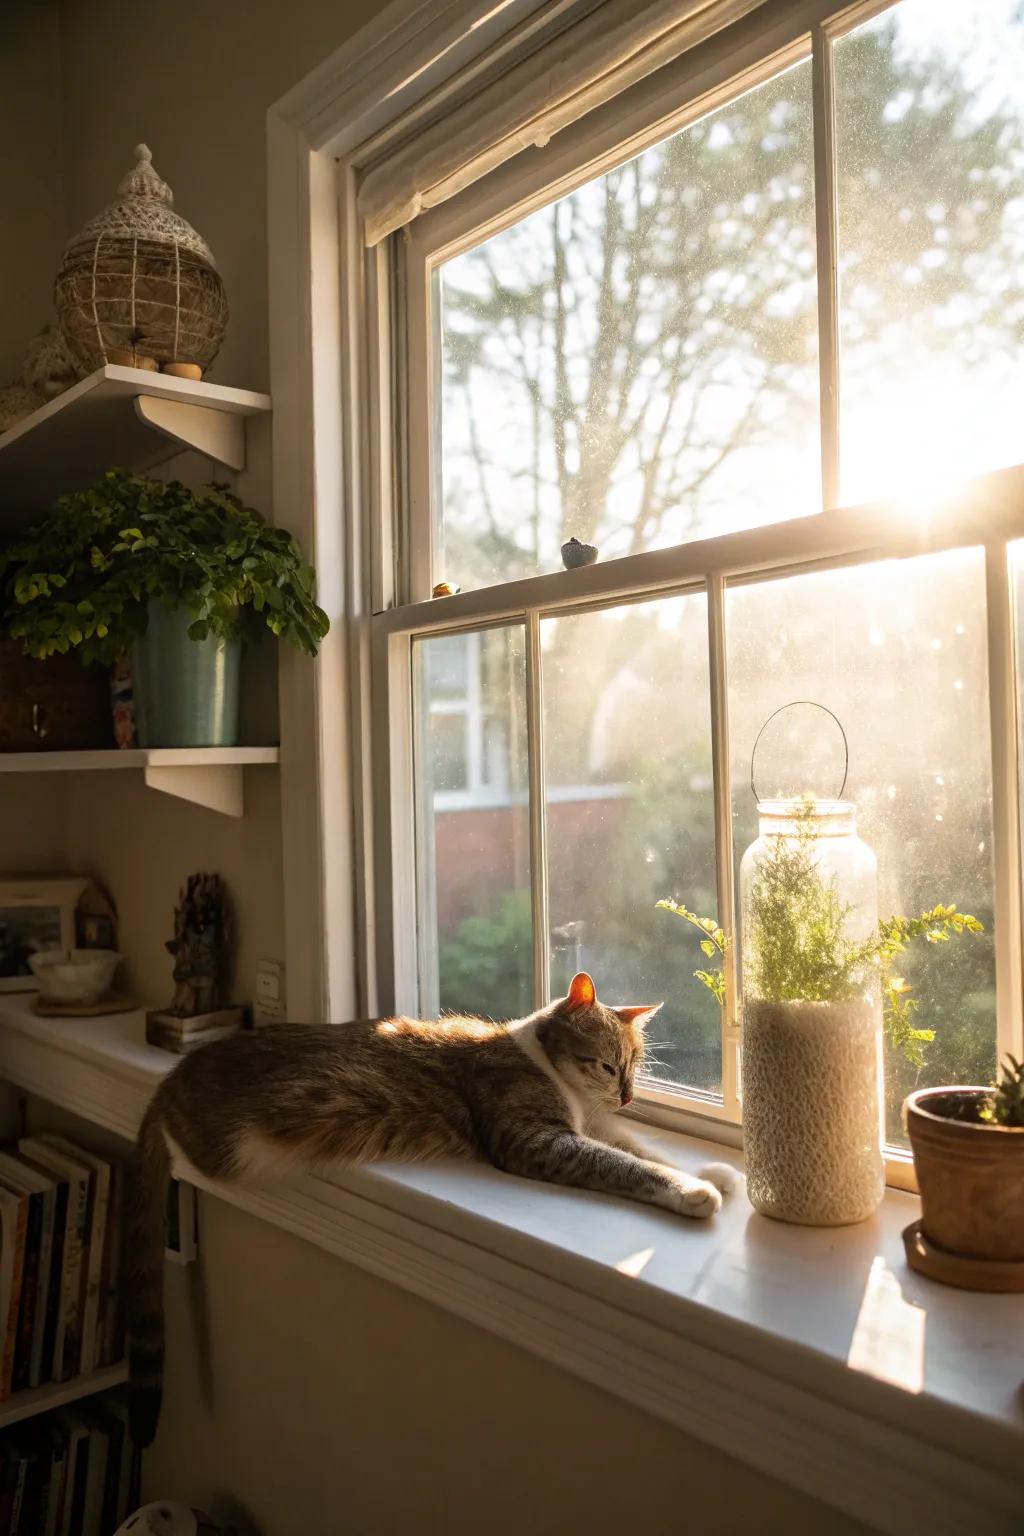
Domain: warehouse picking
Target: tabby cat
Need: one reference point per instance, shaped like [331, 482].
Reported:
[536, 1097]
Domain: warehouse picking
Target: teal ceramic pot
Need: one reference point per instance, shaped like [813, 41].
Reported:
[186, 691]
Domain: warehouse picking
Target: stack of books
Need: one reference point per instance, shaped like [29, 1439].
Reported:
[69, 1472]
[61, 1248]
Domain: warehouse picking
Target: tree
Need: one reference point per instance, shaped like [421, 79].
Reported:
[638, 357]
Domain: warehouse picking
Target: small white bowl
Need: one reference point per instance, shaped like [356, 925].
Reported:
[76, 975]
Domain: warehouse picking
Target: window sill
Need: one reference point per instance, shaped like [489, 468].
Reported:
[813, 1355]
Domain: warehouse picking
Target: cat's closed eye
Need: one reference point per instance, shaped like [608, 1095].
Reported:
[608, 1068]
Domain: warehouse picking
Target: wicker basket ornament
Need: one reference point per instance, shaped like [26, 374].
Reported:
[139, 286]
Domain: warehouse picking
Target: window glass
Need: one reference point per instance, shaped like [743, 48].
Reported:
[630, 818]
[473, 857]
[930, 161]
[898, 651]
[636, 364]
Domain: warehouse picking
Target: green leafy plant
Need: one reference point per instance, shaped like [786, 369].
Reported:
[798, 949]
[1006, 1106]
[83, 579]
[715, 941]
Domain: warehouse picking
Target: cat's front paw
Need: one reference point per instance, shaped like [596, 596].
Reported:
[695, 1198]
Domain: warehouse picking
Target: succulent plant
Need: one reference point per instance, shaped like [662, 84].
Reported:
[1006, 1106]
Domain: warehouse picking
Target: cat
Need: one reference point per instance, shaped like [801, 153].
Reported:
[536, 1097]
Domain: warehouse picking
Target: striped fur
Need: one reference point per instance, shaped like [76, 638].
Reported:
[536, 1097]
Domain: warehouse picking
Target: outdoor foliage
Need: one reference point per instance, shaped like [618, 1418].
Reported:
[1006, 1106]
[82, 580]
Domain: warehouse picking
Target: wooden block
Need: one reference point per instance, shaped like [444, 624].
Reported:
[177, 1033]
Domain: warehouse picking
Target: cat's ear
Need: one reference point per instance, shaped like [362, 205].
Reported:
[582, 992]
[640, 1014]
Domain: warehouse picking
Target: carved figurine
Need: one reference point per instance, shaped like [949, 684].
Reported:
[202, 934]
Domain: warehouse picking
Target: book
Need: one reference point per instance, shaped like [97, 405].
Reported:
[22, 1361]
[67, 1360]
[109, 1342]
[95, 1244]
[104, 1419]
[96, 1479]
[17, 1173]
[13, 1218]
[33, 1449]
[76, 1476]
[18, 1465]
[57, 1436]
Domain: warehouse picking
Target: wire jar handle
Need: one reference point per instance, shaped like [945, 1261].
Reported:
[794, 703]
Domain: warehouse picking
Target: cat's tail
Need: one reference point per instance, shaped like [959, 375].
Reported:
[145, 1275]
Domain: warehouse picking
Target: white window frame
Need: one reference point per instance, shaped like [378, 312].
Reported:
[354, 816]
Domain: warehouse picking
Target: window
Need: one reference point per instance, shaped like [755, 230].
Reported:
[698, 334]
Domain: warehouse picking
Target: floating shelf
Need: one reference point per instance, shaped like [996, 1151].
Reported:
[209, 776]
[117, 416]
[54, 1394]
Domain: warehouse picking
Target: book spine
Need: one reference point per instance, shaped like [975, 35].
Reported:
[19, 1493]
[53, 1327]
[13, 1231]
[110, 1299]
[49, 1207]
[100, 1205]
[29, 1283]
[77, 1236]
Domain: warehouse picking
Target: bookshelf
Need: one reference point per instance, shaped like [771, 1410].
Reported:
[56, 1394]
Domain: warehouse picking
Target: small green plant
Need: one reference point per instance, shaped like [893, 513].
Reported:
[1006, 1106]
[82, 580]
[798, 950]
[715, 941]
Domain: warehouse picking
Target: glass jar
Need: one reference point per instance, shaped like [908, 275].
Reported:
[811, 1063]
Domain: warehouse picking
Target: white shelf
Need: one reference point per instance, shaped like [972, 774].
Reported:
[54, 1394]
[117, 416]
[208, 776]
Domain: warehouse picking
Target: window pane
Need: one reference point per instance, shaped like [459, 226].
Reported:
[629, 817]
[930, 150]
[472, 827]
[898, 652]
[636, 364]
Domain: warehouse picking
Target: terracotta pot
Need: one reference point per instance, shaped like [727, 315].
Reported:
[971, 1174]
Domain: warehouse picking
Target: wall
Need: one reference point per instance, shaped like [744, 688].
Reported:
[31, 165]
[338, 1404]
[303, 1394]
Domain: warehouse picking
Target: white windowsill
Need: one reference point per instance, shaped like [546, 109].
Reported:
[814, 1355]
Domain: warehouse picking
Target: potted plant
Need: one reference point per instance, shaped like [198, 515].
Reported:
[819, 984]
[968, 1146]
[172, 577]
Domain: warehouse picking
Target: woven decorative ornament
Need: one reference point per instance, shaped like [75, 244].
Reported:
[139, 286]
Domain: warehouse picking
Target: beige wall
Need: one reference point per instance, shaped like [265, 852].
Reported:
[339, 1405]
[31, 173]
[303, 1395]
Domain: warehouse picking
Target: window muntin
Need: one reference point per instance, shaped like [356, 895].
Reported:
[636, 363]
[557, 596]
[930, 172]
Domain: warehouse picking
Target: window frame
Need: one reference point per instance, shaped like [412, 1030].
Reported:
[340, 357]
[399, 335]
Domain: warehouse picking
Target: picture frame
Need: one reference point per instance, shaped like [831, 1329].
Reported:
[35, 914]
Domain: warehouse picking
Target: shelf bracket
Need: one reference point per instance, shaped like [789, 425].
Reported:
[218, 788]
[219, 435]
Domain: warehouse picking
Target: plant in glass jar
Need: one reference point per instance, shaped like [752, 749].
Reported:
[818, 979]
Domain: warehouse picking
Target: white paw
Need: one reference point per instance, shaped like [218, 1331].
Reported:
[722, 1176]
[694, 1198]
